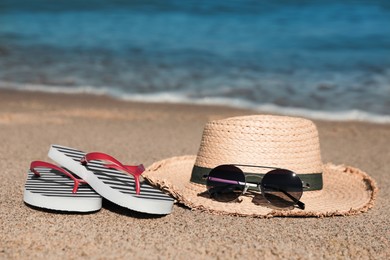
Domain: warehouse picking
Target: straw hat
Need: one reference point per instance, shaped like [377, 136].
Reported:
[265, 140]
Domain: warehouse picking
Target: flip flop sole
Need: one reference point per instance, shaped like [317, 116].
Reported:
[54, 191]
[113, 185]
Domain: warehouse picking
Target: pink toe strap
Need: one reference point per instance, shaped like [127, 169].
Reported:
[134, 170]
[41, 164]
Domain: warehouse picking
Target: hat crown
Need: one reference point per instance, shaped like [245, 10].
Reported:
[263, 140]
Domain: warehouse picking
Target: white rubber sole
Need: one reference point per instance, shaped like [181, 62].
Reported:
[62, 204]
[113, 185]
[54, 191]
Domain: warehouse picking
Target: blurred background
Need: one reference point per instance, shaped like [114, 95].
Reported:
[323, 59]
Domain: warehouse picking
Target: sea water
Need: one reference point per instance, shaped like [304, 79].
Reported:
[322, 59]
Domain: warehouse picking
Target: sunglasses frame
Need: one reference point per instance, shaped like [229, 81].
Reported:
[259, 186]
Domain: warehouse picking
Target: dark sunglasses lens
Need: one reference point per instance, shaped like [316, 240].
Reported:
[225, 183]
[282, 188]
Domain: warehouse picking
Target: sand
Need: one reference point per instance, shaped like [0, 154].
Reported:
[144, 133]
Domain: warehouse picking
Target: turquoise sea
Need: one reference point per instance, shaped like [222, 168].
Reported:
[322, 59]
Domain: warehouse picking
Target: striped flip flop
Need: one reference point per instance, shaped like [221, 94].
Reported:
[51, 187]
[114, 181]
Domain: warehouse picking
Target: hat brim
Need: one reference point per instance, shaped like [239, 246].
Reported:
[346, 191]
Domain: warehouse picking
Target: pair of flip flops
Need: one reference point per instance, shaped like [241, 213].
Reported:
[84, 178]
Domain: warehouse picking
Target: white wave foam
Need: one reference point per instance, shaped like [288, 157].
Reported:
[53, 89]
[183, 98]
[348, 115]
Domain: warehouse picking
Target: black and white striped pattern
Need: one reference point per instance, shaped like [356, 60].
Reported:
[117, 180]
[55, 183]
[53, 190]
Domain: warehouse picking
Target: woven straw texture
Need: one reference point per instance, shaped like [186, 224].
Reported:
[284, 142]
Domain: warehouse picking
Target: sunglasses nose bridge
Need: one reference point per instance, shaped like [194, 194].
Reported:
[253, 182]
[246, 188]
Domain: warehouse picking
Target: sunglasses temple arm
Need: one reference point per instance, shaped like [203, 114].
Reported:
[226, 181]
[300, 204]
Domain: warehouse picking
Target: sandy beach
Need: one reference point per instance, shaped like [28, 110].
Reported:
[144, 133]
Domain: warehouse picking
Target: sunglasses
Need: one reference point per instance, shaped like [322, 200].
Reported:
[282, 188]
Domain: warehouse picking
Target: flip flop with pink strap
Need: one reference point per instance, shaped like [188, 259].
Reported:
[120, 184]
[52, 187]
